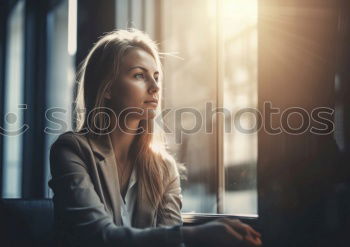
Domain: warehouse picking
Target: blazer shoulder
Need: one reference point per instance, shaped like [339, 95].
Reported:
[74, 141]
[69, 148]
[71, 137]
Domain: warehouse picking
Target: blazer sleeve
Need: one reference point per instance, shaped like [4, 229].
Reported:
[80, 213]
[173, 199]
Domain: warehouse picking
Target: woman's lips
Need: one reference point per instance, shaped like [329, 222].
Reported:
[152, 102]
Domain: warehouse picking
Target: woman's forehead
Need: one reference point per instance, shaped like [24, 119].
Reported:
[139, 57]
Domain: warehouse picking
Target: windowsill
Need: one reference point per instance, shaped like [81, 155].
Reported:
[199, 218]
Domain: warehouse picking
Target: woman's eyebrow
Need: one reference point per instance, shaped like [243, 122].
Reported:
[140, 67]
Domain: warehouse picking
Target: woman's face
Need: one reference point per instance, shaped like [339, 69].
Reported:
[136, 90]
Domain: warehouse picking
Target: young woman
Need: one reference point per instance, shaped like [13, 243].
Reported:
[114, 183]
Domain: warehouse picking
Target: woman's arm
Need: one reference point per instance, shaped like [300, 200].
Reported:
[80, 212]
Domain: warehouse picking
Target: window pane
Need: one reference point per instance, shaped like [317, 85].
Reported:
[121, 14]
[217, 45]
[240, 97]
[189, 30]
[13, 100]
[60, 79]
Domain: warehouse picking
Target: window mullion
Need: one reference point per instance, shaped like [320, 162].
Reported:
[220, 117]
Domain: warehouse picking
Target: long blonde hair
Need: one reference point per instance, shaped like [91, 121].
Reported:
[98, 71]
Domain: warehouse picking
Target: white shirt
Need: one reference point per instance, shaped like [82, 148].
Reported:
[127, 208]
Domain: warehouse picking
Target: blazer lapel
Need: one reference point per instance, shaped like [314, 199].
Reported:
[107, 167]
[144, 212]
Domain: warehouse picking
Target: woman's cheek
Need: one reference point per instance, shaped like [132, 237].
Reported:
[138, 95]
[131, 93]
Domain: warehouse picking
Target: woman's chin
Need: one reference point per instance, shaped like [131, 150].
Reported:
[150, 113]
[146, 114]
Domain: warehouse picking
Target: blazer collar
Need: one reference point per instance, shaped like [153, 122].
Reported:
[144, 212]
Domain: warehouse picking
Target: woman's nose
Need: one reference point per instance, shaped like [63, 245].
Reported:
[153, 88]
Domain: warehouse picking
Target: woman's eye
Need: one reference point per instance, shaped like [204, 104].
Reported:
[139, 76]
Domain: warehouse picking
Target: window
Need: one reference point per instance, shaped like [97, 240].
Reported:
[60, 75]
[217, 44]
[239, 56]
[211, 65]
[14, 107]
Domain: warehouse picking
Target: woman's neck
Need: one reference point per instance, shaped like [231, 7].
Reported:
[122, 138]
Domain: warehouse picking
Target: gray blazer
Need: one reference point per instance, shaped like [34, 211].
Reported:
[86, 202]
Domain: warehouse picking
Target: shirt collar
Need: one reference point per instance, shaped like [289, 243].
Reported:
[133, 178]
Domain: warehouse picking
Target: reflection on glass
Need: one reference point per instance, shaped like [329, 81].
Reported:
[13, 100]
